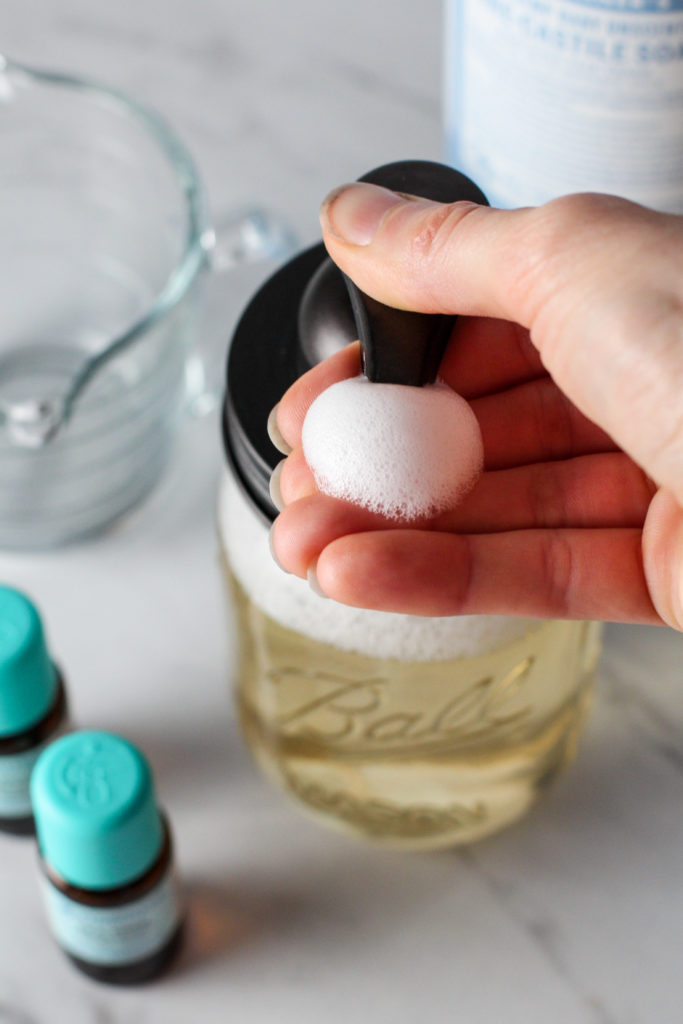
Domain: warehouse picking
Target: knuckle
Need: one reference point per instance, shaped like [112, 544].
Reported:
[548, 237]
[575, 215]
[546, 497]
[554, 421]
[557, 569]
[432, 244]
[434, 228]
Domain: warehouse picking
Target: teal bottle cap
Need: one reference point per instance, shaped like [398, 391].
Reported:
[95, 811]
[28, 680]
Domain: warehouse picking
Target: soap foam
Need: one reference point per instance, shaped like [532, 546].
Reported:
[290, 601]
[403, 451]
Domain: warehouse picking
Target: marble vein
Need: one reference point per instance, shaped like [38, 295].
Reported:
[545, 934]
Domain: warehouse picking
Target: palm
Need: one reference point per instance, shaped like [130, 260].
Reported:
[553, 527]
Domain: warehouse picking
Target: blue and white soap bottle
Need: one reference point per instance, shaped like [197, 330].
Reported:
[547, 97]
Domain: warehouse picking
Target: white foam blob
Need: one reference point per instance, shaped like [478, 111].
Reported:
[403, 451]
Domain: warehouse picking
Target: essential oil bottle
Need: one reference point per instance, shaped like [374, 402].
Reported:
[32, 706]
[106, 858]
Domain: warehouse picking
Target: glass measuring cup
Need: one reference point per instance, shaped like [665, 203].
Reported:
[104, 244]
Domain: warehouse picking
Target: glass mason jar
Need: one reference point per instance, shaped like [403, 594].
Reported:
[413, 732]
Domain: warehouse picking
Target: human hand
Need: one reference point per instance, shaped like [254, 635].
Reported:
[569, 347]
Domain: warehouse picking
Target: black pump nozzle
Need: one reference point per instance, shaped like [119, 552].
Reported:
[303, 314]
[397, 346]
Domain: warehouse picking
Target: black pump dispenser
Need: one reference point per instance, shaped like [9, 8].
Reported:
[400, 347]
[307, 311]
[397, 346]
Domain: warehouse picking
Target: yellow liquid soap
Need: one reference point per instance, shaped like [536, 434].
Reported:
[413, 754]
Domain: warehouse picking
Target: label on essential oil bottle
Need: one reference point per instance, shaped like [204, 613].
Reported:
[15, 777]
[111, 936]
[547, 97]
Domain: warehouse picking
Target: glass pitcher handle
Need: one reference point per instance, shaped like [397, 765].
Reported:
[249, 237]
[246, 238]
[254, 238]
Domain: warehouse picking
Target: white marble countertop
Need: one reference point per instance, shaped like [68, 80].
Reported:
[576, 915]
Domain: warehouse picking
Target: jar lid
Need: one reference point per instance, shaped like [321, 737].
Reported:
[28, 680]
[95, 810]
[265, 358]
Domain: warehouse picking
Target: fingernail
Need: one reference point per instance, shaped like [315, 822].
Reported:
[271, 545]
[313, 581]
[353, 213]
[274, 486]
[274, 434]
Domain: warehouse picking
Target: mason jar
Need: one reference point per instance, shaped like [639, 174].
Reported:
[409, 731]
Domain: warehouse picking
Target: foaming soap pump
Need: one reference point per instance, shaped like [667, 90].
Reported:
[307, 311]
[397, 346]
[389, 441]
[413, 732]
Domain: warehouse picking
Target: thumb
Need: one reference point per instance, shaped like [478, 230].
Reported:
[407, 251]
[597, 280]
